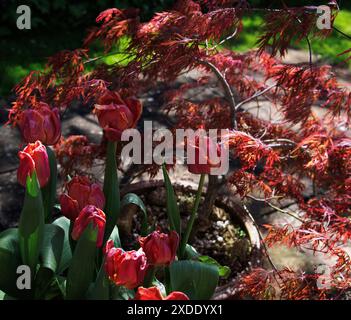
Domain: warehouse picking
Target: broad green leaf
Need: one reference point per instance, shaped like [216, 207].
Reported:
[192, 254]
[132, 198]
[172, 206]
[196, 279]
[101, 288]
[81, 271]
[66, 254]
[43, 280]
[111, 190]
[10, 259]
[31, 224]
[51, 250]
[223, 271]
[49, 191]
[48, 286]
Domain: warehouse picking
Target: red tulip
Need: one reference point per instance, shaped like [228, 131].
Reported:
[160, 248]
[33, 157]
[80, 193]
[125, 268]
[154, 293]
[87, 215]
[40, 124]
[116, 114]
[203, 162]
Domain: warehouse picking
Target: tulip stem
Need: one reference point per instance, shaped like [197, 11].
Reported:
[149, 277]
[111, 189]
[49, 191]
[189, 227]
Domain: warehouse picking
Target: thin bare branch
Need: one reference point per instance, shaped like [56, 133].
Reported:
[256, 95]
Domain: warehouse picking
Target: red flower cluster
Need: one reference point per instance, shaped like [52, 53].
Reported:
[80, 193]
[128, 268]
[33, 157]
[116, 114]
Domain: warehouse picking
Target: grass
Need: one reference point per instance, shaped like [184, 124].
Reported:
[19, 56]
[328, 48]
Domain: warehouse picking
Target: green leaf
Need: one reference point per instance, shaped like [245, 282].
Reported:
[31, 224]
[172, 206]
[132, 198]
[192, 254]
[196, 279]
[49, 191]
[81, 271]
[223, 271]
[4, 296]
[10, 259]
[66, 255]
[121, 293]
[101, 288]
[111, 190]
[115, 237]
[42, 282]
[32, 188]
[52, 247]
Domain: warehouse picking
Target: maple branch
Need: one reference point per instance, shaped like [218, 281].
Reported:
[256, 95]
[275, 207]
[342, 33]
[226, 39]
[228, 90]
[107, 55]
[262, 241]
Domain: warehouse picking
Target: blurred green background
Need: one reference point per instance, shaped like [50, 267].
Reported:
[62, 24]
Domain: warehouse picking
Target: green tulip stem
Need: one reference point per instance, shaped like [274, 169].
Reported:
[149, 277]
[111, 189]
[189, 227]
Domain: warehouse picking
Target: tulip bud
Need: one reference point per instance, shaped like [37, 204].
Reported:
[125, 268]
[116, 114]
[154, 293]
[86, 216]
[203, 158]
[160, 248]
[40, 124]
[80, 193]
[33, 157]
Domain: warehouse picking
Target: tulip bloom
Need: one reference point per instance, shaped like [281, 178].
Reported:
[154, 293]
[87, 215]
[40, 124]
[125, 268]
[203, 162]
[80, 193]
[160, 248]
[116, 114]
[33, 157]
